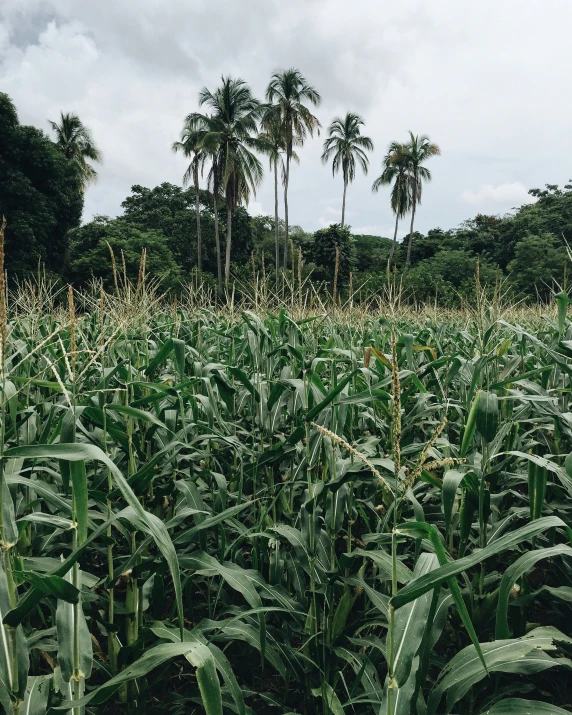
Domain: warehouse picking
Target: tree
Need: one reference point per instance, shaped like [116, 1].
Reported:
[191, 146]
[289, 90]
[172, 210]
[396, 172]
[215, 182]
[230, 138]
[75, 142]
[347, 146]
[89, 255]
[419, 149]
[274, 145]
[448, 278]
[538, 266]
[40, 195]
[321, 251]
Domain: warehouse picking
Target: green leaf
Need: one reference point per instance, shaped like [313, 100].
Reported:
[137, 414]
[315, 411]
[512, 574]
[50, 585]
[13, 650]
[451, 480]
[410, 623]
[332, 705]
[417, 529]
[152, 658]
[415, 589]
[38, 690]
[465, 668]
[80, 497]
[207, 679]
[160, 357]
[153, 526]
[34, 595]
[517, 706]
[69, 620]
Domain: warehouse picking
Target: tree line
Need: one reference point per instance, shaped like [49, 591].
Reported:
[236, 127]
[207, 227]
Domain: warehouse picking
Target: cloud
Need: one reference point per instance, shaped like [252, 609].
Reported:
[132, 70]
[514, 194]
[374, 230]
[255, 209]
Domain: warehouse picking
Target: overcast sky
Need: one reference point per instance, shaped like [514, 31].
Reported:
[488, 80]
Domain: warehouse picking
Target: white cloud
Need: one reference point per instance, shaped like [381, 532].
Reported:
[132, 71]
[514, 194]
[374, 230]
[255, 209]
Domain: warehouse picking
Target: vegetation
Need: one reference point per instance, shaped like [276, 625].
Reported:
[296, 485]
[40, 193]
[418, 150]
[289, 93]
[395, 171]
[75, 142]
[346, 146]
[230, 513]
[188, 230]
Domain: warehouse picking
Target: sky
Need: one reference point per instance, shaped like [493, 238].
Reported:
[486, 80]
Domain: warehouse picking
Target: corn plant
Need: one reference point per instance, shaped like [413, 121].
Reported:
[255, 513]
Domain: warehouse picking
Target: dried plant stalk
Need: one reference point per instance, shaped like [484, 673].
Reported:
[385, 487]
[336, 271]
[3, 301]
[114, 267]
[396, 395]
[71, 309]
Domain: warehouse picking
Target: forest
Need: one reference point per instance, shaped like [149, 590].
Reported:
[41, 193]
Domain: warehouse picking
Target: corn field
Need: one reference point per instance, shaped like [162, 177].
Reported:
[205, 513]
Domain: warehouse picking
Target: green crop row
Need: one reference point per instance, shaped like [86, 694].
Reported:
[256, 514]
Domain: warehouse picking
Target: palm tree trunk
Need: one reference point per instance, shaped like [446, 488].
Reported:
[413, 207]
[344, 202]
[198, 212]
[217, 244]
[394, 239]
[286, 181]
[228, 244]
[276, 237]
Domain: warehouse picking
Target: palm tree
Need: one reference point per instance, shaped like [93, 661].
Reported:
[419, 149]
[74, 140]
[396, 172]
[191, 146]
[214, 182]
[288, 89]
[347, 146]
[230, 137]
[274, 146]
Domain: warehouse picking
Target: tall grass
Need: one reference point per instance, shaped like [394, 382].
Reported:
[283, 505]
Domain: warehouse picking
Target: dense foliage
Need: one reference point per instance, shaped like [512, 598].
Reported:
[40, 194]
[354, 517]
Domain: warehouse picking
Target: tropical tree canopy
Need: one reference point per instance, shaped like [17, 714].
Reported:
[40, 195]
[346, 146]
[419, 150]
[75, 142]
[231, 139]
[396, 173]
[290, 93]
